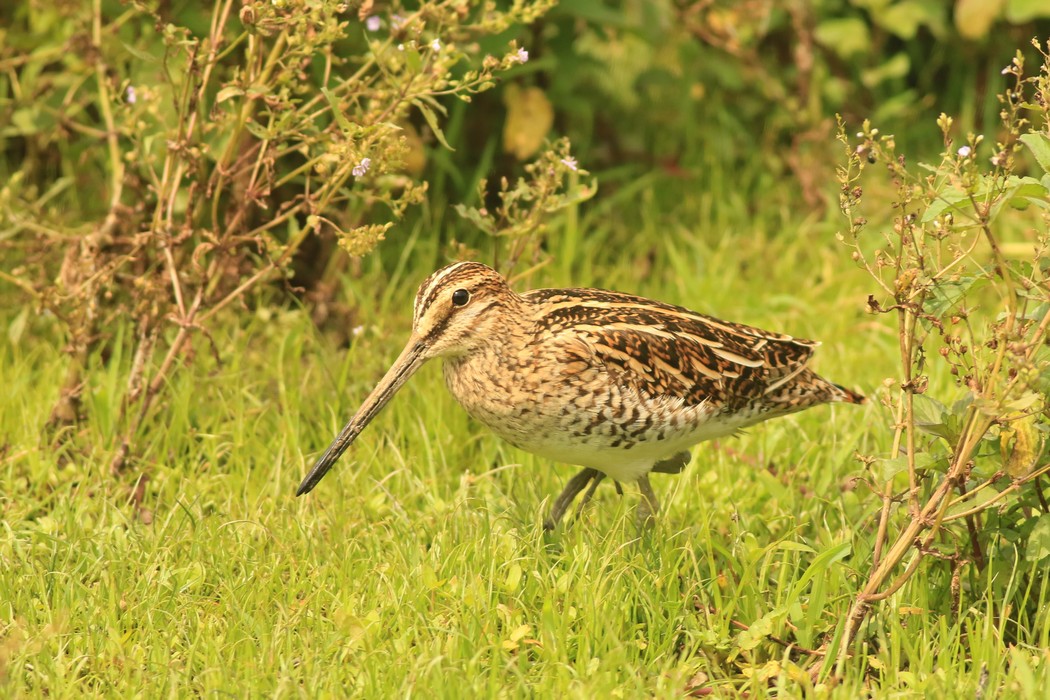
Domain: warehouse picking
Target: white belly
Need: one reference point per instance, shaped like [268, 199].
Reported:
[601, 425]
[629, 460]
[623, 446]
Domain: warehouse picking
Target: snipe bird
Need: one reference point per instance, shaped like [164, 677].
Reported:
[615, 383]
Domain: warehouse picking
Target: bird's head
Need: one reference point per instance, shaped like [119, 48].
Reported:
[456, 310]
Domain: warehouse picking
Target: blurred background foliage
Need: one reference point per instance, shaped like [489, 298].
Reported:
[163, 161]
[636, 85]
[641, 88]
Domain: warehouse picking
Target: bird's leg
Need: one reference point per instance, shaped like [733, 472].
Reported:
[673, 464]
[587, 496]
[649, 505]
[568, 495]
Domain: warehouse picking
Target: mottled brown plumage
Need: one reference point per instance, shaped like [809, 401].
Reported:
[618, 384]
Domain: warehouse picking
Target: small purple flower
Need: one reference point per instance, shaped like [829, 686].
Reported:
[570, 163]
[435, 45]
[522, 56]
[362, 167]
[396, 22]
[964, 152]
[130, 96]
[373, 23]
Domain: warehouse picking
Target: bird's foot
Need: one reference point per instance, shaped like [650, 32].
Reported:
[597, 479]
[585, 479]
[568, 495]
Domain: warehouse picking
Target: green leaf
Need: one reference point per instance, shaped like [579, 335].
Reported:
[983, 496]
[946, 296]
[891, 467]
[231, 91]
[1038, 547]
[962, 405]
[950, 199]
[340, 118]
[847, 37]
[896, 67]
[432, 122]
[931, 416]
[475, 217]
[1026, 401]
[903, 19]
[1039, 144]
[1024, 11]
[596, 13]
[1022, 203]
[899, 106]
[412, 59]
[1025, 187]
[758, 630]
[144, 56]
[259, 131]
[822, 562]
[1037, 312]
[25, 122]
[789, 546]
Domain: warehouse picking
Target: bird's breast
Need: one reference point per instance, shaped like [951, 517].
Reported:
[576, 415]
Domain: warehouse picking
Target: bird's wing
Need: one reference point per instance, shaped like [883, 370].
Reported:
[665, 350]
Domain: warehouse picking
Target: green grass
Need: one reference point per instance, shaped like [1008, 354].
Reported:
[419, 567]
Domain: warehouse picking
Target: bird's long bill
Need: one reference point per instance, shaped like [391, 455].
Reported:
[404, 367]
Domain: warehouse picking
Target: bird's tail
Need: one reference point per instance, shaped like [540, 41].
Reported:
[847, 396]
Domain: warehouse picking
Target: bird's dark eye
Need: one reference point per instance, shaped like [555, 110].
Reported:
[460, 297]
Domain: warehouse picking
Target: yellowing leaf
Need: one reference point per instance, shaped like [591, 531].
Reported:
[756, 633]
[430, 579]
[973, 18]
[415, 154]
[529, 118]
[513, 579]
[1020, 444]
